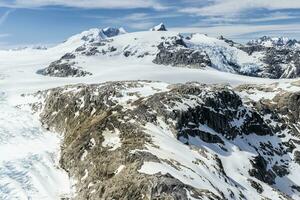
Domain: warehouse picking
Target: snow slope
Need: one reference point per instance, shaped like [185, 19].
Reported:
[28, 157]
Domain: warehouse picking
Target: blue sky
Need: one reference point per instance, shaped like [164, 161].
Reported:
[37, 22]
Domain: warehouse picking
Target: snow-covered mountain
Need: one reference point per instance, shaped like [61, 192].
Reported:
[205, 122]
[172, 49]
[159, 27]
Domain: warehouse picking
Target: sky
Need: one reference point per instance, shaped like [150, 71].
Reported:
[48, 22]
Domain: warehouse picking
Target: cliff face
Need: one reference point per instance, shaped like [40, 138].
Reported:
[152, 140]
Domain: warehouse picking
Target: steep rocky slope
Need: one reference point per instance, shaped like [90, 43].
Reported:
[152, 140]
[280, 56]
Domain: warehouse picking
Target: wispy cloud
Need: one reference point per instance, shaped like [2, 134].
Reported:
[234, 7]
[4, 16]
[92, 4]
[140, 20]
[141, 25]
[2, 35]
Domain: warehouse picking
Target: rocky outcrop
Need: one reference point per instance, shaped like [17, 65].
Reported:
[175, 53]
[256, 185]
[85, 118]
[282, 63]
[260, 170]
[280, 56]
[61, 69]
[287, 104]
[297, 157]
[64, 67]
[107, 139]
[182, 58]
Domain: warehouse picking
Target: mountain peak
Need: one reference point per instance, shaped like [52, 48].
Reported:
[111, 31]
[159, 27]
[96, 34]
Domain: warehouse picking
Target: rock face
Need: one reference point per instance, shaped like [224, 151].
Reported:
[174, 52]
[64, 67]
[297, 157]
[150, 140]
[280, 56]
[260, 171]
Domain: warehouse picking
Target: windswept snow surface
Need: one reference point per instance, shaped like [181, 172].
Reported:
[28, 158]
[28, 153]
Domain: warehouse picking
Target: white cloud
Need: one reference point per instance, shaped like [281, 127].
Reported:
[141, 25]
[234, 7]
[2, 35]
[122, 4]
[140, 20]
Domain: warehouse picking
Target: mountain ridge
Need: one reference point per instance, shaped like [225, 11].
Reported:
[195, 51]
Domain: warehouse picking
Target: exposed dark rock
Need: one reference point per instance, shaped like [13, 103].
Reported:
[173, 51]
[296, 187]
[127, 53]
[112, 49]
[230, 42]
[81, 48]
[290, 145]
[205, 136]
[218, 110]
[297, 157]
[280, 57]
[280, 170]
[182, 58]
[260, 171]
[287, 104]
[256, 186]
[91, 51]
[63, 69]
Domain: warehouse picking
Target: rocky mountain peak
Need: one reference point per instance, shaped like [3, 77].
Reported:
[159, 27]
[95, 34]
[111, 31]
[268, 41]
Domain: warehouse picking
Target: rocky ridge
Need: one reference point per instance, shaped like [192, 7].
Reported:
[150, 140]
